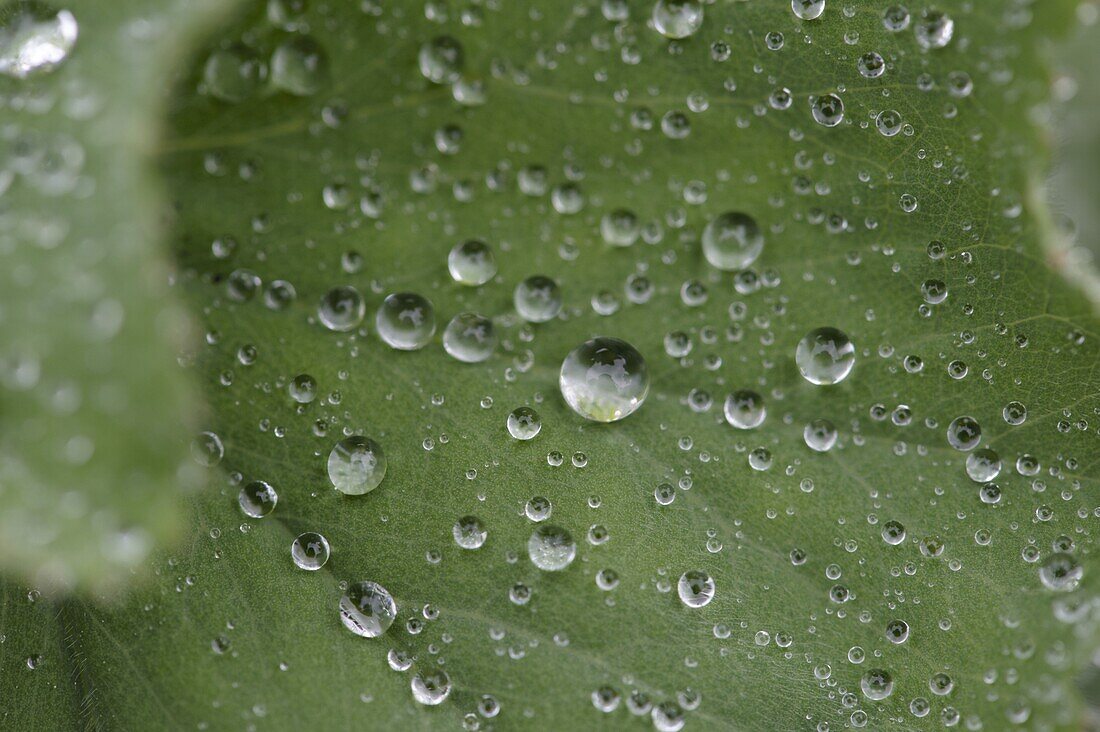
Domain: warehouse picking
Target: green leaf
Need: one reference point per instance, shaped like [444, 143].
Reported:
[232, 634]
[93, 433]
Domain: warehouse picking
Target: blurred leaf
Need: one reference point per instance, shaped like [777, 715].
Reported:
[93, 409]
[234, 635]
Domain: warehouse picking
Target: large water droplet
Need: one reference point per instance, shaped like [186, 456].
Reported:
[309, 551]
[695, 588]
[356, 465]
[964, 433]
[808, 9]
[604, 379]
[1061, 572]
[551, 548]
[524, 423]
[877, 684]
[431, 687]
[34, 39]
[471, 263]
[825, 356]
[469, 337]
[828, 110]
[367, 609]
[341, 308]
[469, 532]
[299, 66]
[732, 241]
[406, 321]
[441, 60]
[934, 29]
[677, 18]
[745, 409]
[257, 499]
[538, 299]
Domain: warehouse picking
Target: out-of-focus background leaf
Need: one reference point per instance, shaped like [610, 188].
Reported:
[348, 184]
[95, 414]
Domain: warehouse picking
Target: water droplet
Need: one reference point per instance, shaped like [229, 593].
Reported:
[695, 588]
[888, 122]
[538, 299]
[524, 423]
[538, 509]
[732, 241]
[893, 533]
[303, 388]
[469, 338]
[441, 60]
[34, 39]
[828, 110]
[469, 532]
[745, 409]
[820, 435]
[825, 356]
[367, 609]
[964, 433]
[620, 227]
[808, 9]
[207, 449]
[1014, 413]
[551, 548]
[406, 321]
[431, 687]
[1061, 572]
[234, 74]
[356, 465]
[472, 263]
[299, 66]
[871, 65]
[257, 499]
[310, 551]
[934, 29]
[604, 379]
[677, 19]
[983, 465]
[877, 684]
[341, 309]
[897, 631]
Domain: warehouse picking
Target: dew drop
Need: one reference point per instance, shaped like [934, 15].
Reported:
[406, 321]
[695, 588]
[732, 241]
[604, 379]
[825, 356]
[356, 465]
[367, 609]
[551, 548]
[677, 19]
[309, 551]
